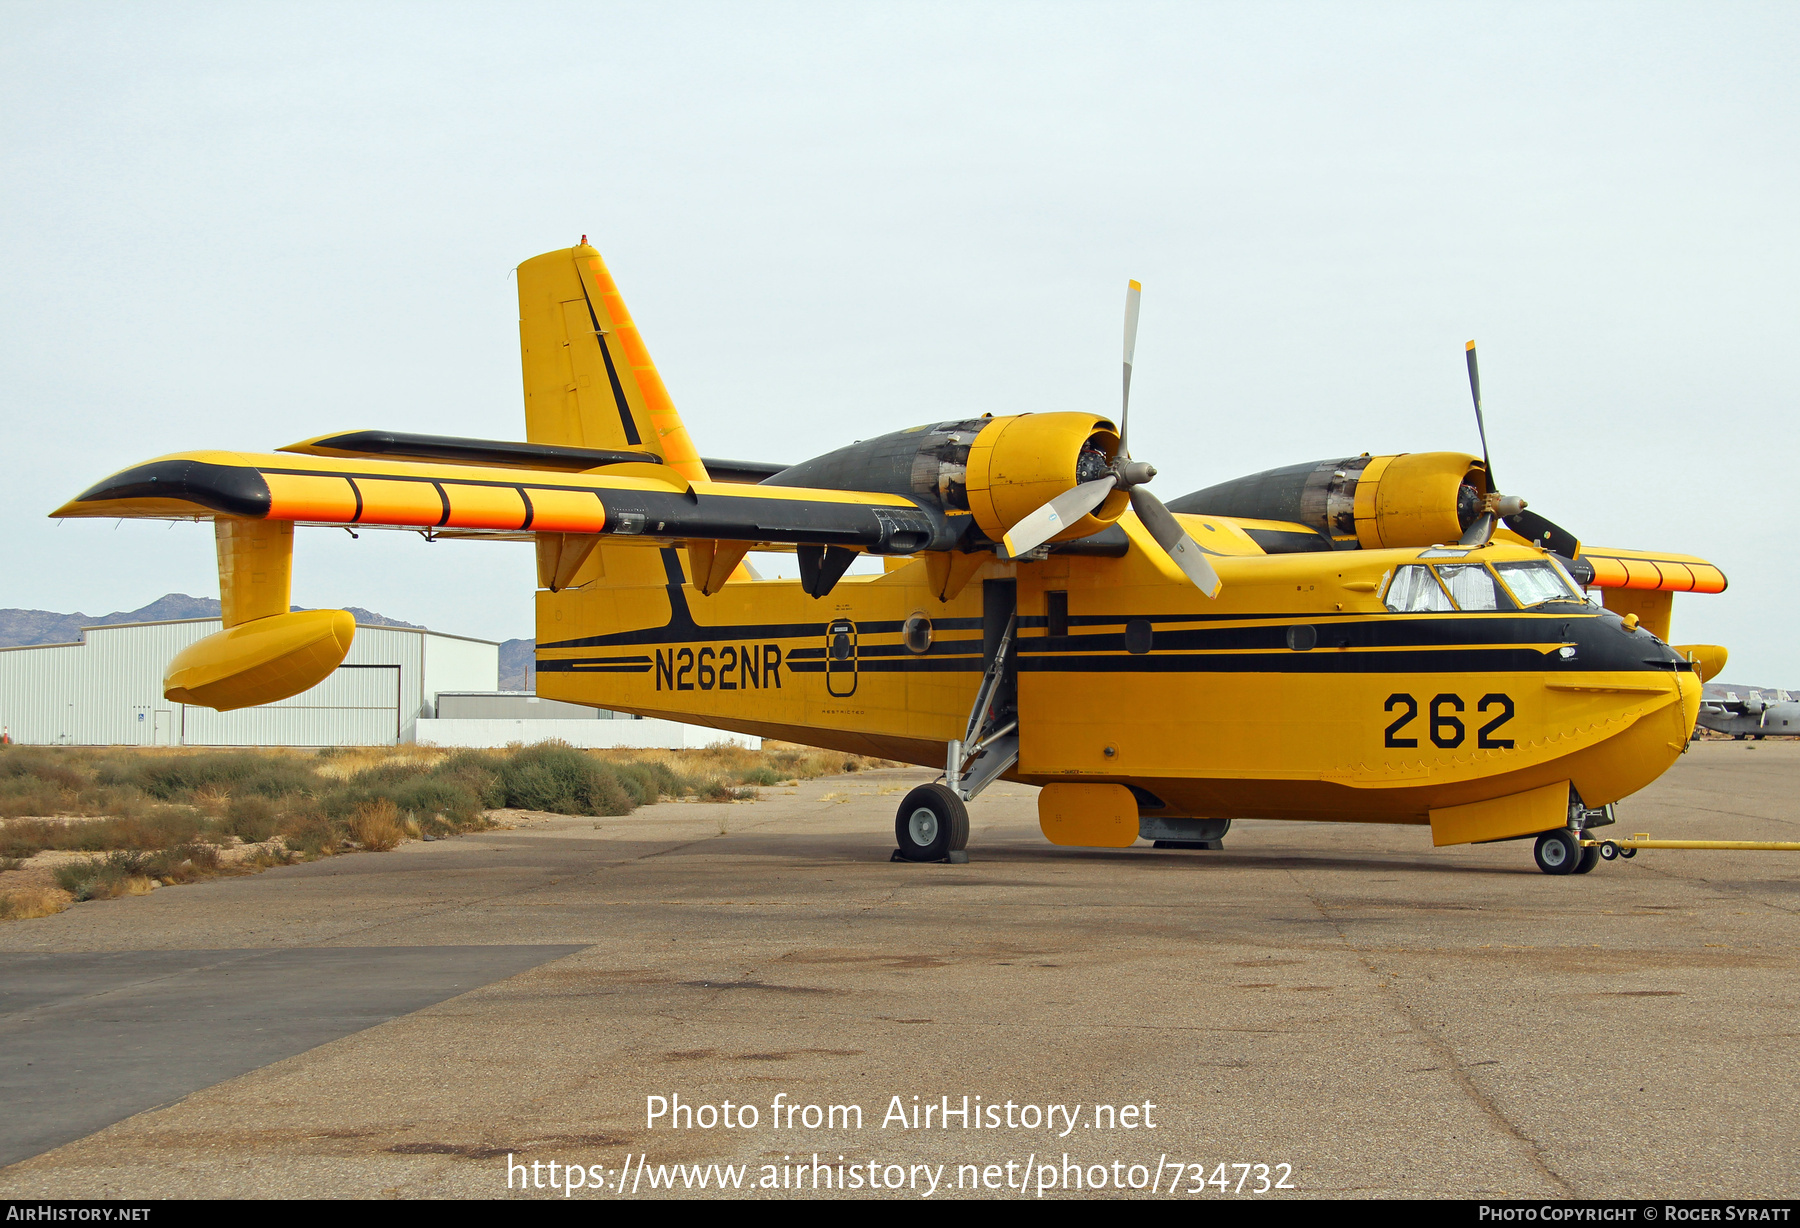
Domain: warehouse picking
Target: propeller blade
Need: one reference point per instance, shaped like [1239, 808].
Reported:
[1058, 514]
[1479, 531]
[1133, 292]
[1533, 527]
[1475, 391]
[1169, 534]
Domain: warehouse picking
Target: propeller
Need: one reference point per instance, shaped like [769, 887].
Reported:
[1507, 509]
[1127, 475]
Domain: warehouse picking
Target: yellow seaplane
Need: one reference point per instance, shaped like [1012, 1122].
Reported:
[1374, 639]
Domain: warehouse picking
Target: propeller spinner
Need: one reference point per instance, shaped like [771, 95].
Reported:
[1125, 474]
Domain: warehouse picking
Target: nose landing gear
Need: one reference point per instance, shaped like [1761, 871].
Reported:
[1562, 852]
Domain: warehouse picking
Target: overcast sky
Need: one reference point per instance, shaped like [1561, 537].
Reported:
[241, 225]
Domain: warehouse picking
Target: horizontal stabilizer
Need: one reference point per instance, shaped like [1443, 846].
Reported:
[508, 453]
[1652, 569]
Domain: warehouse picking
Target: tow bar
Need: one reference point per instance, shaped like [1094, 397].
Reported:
[1610, 849]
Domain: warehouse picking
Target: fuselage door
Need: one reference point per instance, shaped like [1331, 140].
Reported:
[840, 658]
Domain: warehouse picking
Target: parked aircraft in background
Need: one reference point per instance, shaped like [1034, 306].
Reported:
[1749, 711]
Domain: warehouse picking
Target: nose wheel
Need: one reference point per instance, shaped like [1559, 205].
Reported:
[932, 825]
[1561, 852]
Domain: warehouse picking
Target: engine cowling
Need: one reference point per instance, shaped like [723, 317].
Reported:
[998, 469]
[1411, 499]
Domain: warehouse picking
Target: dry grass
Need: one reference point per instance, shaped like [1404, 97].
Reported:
[30, 903]
[376, 826]
[165, 815]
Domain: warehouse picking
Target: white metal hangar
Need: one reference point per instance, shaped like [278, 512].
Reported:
[106, 690]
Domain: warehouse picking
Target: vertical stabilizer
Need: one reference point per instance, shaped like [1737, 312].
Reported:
[589, 381]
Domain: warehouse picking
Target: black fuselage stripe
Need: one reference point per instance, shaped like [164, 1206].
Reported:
[357, 491]
[1377, 632]
[1492, 661]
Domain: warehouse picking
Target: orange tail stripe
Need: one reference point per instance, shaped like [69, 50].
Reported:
[566, 511]
[485, 507]
[1666, 575]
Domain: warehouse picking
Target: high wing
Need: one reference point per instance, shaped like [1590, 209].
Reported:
[637, 500]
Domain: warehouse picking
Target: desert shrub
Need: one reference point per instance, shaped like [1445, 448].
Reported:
[390, 773]
[242, 772]
[311, 833]
[422, 794]
[554, 776]
[103, 878]
[642, 783]
[183, 863]
[376, 826]
[251, 819]
[50, 767]
[121, 771]
[21, 795]
[150, 828]
[451, 798]
[478, 771]
[22, 838]
[761, 776]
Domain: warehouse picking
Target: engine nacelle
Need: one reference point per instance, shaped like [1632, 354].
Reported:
[1018, 464]
[999, 469]
[1413, 499]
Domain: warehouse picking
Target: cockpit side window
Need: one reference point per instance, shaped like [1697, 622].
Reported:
[1536, 583]
[1471, 586]
[1414, 590]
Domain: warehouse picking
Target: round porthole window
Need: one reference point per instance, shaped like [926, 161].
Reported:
[915, 633]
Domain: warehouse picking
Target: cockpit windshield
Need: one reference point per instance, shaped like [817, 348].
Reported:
[1536, 583]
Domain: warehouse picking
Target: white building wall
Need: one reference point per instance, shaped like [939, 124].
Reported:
[39, 690]
[107, 690]
[455, 664]
[358, 705]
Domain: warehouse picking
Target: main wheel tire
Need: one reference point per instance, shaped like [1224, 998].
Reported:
[1590, 857]
[932, 823]
[1558, 852]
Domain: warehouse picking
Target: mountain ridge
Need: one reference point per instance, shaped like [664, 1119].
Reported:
[22, 628]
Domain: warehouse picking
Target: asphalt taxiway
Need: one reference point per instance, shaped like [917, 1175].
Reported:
[1387, 1018]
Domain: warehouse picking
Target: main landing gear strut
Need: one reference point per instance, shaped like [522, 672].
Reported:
[933, 822]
